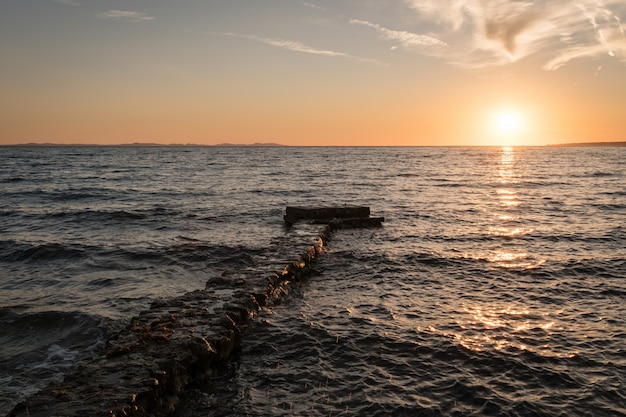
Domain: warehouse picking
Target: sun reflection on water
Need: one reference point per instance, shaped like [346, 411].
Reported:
[506, 171]
[508, 232]
[484, 326]
[507, 260]
[500, 328]
[506, 224]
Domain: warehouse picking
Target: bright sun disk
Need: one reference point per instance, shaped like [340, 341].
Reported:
[508, 122]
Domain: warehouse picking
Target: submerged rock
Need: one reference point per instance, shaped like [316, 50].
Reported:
[146, 366]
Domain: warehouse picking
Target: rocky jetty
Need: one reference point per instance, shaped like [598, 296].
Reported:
[145, 367]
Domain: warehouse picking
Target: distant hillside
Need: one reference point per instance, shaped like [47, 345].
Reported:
[252, 144]
[591, 144]
[142, 144]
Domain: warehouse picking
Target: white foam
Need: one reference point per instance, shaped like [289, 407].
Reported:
[58, 357]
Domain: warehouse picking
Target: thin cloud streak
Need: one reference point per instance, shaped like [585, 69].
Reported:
[485, 33]
[406, 39]
[311, 5]
[128, 16]
[618, 49]
[68, 2]
[296, 46]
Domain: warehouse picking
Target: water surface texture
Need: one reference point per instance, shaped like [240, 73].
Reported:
[495, 287]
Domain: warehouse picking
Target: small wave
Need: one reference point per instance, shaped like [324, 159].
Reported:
[36, 340]
[596, 268]
[14, 179]
[39, 348]
[212, 219]
[427, 259]
[450, 185]
[114, 215]
[610, 207]
[615, 193]
[601, 174]
[614, 292]
[11, 251]
[211, 255]
[124, 215]
[102, 282]
[73, 195]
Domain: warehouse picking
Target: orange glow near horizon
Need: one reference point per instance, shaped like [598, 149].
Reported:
[442, 114]
[367, 76]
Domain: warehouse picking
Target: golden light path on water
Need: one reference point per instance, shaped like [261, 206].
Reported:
[507, 204]
[498, 325]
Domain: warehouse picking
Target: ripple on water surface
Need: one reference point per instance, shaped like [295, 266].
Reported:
[365, 336]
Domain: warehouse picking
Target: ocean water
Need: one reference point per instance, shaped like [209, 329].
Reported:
[497, 285]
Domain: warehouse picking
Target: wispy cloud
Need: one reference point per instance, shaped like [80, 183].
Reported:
[68, 2]
[295, 46]
[125, 15]
[406, 39]
[482, 33]
[311, 5]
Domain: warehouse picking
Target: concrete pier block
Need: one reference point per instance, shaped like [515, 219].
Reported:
[342, 217]
[321, 214]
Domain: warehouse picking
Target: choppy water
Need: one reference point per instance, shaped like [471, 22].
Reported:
[496, 286]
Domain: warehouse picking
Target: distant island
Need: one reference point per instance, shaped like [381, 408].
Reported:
[589, 144]
[257, 144]
[149, 144]
[252, 144]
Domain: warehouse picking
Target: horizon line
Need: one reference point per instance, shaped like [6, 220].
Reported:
[271, 144]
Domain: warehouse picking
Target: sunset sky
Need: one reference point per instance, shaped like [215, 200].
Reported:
[314, 72]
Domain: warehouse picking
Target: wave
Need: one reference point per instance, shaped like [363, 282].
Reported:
[186, 254]
[104, 215]
[614, 193]
[13, 179]
[609, 206]
[602, 174]
[598, 269]
[31, 334]
[11, 251]
[41, 347]
[313, 362]
[212, 255]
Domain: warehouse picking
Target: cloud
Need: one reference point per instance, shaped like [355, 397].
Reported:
[68, 2]
[296, 46]
[618, 49]
[406, 39]
[311, 5]
[125, 15]
[495, 32]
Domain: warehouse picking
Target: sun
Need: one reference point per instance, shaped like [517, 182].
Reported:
[507, 126]
[508, 121]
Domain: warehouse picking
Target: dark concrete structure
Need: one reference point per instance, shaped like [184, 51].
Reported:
[339, 217]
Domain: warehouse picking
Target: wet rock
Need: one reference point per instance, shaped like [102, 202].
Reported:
[146, 366]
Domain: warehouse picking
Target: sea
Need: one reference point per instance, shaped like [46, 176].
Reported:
[495, 287]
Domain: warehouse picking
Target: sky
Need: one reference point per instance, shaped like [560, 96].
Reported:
[313, 72]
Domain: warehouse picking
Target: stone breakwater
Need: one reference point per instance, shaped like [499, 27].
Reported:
[145, 367]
